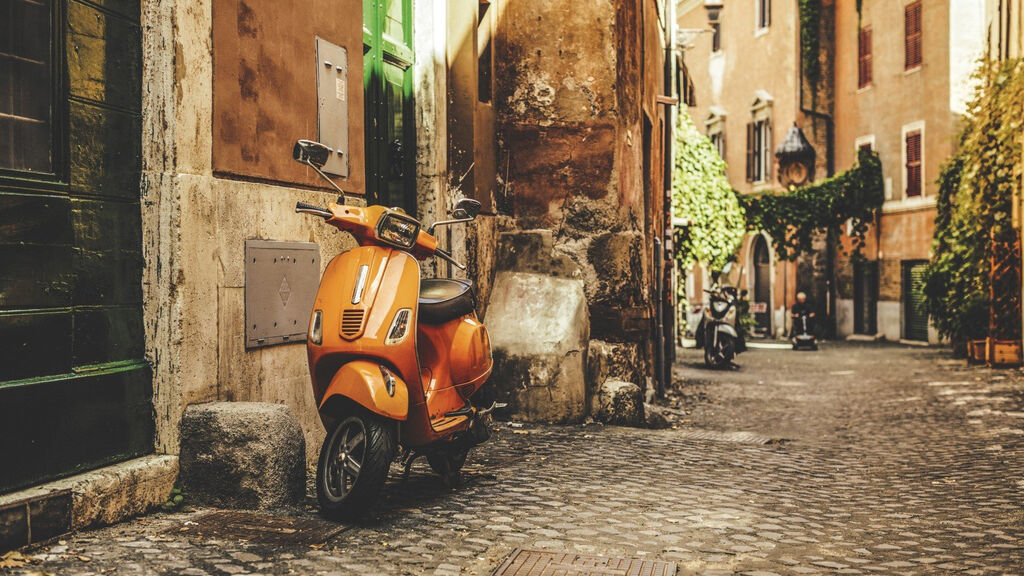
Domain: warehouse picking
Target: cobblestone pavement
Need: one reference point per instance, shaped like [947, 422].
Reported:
[881, 459]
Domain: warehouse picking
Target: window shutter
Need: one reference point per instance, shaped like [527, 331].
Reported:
[912, 35]
[750, 152]
[864, 57]
[913, 172]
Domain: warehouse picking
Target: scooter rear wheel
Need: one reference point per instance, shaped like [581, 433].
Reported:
[353, 465]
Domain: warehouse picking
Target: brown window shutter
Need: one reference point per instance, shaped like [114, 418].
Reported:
[913, 145]
[864, 57]
[750, 152]
[912, 35]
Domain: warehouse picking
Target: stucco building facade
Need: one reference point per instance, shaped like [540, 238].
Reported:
[749, 91]
[888, 56]
[894, 76]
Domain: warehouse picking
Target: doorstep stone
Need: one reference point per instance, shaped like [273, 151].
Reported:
[104, 496]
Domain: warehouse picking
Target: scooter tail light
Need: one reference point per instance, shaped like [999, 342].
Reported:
[316, 332]
[399, 327]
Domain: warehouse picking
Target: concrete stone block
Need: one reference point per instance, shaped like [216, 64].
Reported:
[539, 331]
[242, 455]
[655, 418]
[611, 360]
[620, 403]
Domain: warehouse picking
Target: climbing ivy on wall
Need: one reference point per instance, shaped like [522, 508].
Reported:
[793, 219]
[810, 19]
[975, 206]
[702, 196]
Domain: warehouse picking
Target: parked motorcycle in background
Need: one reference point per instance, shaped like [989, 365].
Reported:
[717, 332]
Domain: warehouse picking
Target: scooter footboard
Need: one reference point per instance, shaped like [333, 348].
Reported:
[371, 385]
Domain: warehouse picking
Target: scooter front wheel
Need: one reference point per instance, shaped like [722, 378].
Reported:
[353, 465]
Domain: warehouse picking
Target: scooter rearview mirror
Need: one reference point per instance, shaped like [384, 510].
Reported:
[466, 208]
[309, 152]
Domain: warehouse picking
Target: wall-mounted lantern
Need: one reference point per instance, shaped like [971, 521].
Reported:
[714, 9]
[796, 159]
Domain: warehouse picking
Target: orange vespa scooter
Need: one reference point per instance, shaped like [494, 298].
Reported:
[394, 360]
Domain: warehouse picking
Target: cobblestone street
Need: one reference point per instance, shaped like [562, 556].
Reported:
[858, 459]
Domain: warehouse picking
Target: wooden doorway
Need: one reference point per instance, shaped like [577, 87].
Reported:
[762, 260]
[865, 297]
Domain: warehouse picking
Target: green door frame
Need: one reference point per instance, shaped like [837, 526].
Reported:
[387, 83]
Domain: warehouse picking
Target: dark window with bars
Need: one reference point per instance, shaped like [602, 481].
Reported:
[26, 85]
[912, 55]
[758, 151]
[864, 57]
[718, 141]
[913, 169]
[764, 13]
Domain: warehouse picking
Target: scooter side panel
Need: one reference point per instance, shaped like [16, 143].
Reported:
[362, 381]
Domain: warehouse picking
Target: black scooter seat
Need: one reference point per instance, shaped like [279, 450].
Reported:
[442, 299]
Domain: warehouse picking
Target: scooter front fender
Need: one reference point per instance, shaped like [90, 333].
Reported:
[362, 381]
[727, 329]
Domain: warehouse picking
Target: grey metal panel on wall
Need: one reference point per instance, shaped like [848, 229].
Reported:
[332, 104]
[281, 280]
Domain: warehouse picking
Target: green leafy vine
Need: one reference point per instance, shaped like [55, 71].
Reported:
[793, 219]
[974, 209]
[810, 25]
[703, 198]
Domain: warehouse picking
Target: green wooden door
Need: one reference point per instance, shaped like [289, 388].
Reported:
[387, 79]
[75, 392]
[915, 309]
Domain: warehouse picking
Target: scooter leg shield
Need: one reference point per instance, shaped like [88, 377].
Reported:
[371, 385]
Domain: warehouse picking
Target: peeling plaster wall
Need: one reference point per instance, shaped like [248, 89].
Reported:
[194, 231]
[573, 83]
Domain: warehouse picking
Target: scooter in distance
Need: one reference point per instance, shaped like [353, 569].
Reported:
[803, 332]
[394, 360]
[716, 332]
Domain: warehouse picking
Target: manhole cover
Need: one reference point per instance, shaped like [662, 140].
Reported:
[537, 563]
[259, 528]
[741, 437]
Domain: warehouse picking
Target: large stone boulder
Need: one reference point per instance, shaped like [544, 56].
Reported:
[539, 330]
[248, 455]
[620, 403]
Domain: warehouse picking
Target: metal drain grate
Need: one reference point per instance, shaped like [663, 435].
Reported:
[537, 563]
[741, 437]
[259, 528]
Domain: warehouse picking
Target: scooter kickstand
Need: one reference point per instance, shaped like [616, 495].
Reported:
[409, 459]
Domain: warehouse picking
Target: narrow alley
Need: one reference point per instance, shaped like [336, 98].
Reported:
[858, 459]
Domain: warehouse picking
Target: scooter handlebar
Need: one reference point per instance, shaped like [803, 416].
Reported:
[303, 207]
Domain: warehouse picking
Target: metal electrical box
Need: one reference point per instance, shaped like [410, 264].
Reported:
[281, 279]
[332, 104]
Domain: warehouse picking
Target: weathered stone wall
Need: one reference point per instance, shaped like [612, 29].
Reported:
[194, 231]
[571, 94]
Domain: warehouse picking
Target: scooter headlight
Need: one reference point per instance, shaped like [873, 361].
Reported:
[399, 327]
[398, 230]
[719, 306]
[316, 334]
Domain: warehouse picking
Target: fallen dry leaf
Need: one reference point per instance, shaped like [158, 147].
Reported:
[14, 559]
